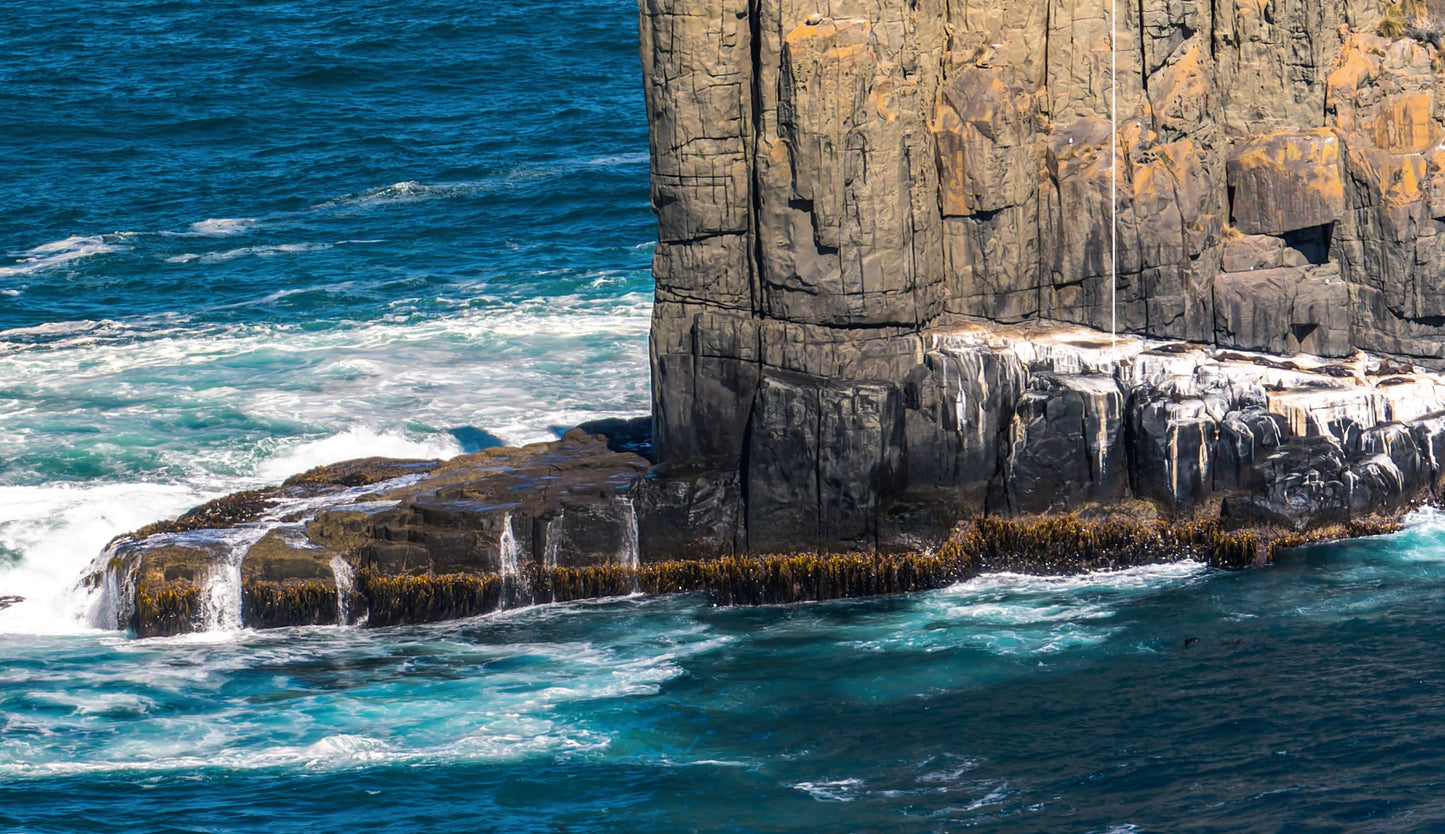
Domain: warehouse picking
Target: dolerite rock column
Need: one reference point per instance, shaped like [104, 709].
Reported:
[838, 180]
[800, 250]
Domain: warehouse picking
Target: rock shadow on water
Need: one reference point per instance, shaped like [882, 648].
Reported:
[473, 439]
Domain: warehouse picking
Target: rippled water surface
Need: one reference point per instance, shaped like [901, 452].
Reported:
[1305, 697]
[238, 239]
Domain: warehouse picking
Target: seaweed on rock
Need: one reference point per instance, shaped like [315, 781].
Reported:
[397, 600]
[174, 609]
[280, 604]
[227, 511]
[1049, 545]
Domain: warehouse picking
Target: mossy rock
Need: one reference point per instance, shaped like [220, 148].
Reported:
[361, 472]
[168, 590]
[295, 602]
[227, 511]
[399, 600]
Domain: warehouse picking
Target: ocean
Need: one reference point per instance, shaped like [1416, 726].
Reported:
[242, 238]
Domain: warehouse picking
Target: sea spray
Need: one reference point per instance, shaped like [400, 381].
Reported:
[110, 588]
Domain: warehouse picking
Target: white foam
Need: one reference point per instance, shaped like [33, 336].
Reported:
[59, 529]
[1427, 517]
[409, 191]
[261, 251]
[1143, 577]
[1010, 614]
[517, 371]
[636, 158]
[835, 790]
[54, 329]
[390, 388]
[1421, 541]
[356, 442]
[58, 253]
[343, 751]
[993, 797]
[223, 226]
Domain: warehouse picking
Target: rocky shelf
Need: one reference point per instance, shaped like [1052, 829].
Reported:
[1069, 452]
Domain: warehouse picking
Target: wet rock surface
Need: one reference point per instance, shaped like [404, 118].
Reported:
[1048, 448]
[397, 541]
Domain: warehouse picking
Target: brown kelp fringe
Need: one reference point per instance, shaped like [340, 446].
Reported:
[568, 584]
[1066, 544]
[1333, 533]
[739, 580]
[176, 609]
[393, 600]
[281, 604]
[1050, 545]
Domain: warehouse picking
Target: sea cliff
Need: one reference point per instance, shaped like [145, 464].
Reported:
[841, 186]
[882, 349]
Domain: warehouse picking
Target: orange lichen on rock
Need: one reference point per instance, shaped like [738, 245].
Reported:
[1286, 181]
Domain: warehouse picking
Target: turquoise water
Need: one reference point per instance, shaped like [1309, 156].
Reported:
[1305, 698]
[244, 238]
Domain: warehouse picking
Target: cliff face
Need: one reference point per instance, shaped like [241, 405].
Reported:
[839, 182]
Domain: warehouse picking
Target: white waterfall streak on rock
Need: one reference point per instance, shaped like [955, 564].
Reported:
[221, 587]
[111, 589]
[627, 553]
[221, 593]
[514, 589]
[345, 589]
[549, 552]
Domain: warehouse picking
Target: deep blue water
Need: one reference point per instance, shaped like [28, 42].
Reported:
[241, 238]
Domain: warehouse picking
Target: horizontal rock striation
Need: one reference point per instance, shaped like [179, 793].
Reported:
[838, 185]
[1056, 450]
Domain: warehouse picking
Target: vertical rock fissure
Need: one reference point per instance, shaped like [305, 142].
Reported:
[818, 472]
[1143, 56]
[752, 139]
